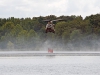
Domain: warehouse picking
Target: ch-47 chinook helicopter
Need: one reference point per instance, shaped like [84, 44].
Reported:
[50, 25]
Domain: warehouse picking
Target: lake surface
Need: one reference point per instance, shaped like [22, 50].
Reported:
[50, 65]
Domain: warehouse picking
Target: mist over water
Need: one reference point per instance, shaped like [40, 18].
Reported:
[88, 43]
[81, 45]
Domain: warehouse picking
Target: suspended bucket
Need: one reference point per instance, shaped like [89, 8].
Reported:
[50, 50]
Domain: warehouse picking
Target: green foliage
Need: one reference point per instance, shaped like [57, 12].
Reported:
[32, 35]
[27, 32]
[7, 27]
[66, 35]
[16, 30]
[60, 28]
[75, 35]
[23, 34]
[21, 40]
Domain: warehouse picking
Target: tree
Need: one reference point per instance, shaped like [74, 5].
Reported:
[66, 35]
[32, 34]
[60, 27]
[22, 39]
[16, 30]
[27, 24]
[50, 17]
[32, 39]
[75, 35]
[7, 27]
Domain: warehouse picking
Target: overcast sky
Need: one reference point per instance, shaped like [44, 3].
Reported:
[36, 8]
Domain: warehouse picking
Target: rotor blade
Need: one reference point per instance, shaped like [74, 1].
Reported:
[60, 20]
[54, 20]
[46, 20]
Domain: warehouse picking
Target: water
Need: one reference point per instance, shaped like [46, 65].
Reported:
[50, 65]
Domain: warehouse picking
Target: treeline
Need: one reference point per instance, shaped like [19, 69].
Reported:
[22, 33]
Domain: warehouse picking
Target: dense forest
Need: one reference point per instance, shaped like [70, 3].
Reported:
[29, 33]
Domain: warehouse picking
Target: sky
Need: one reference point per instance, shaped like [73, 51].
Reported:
[36, 8]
